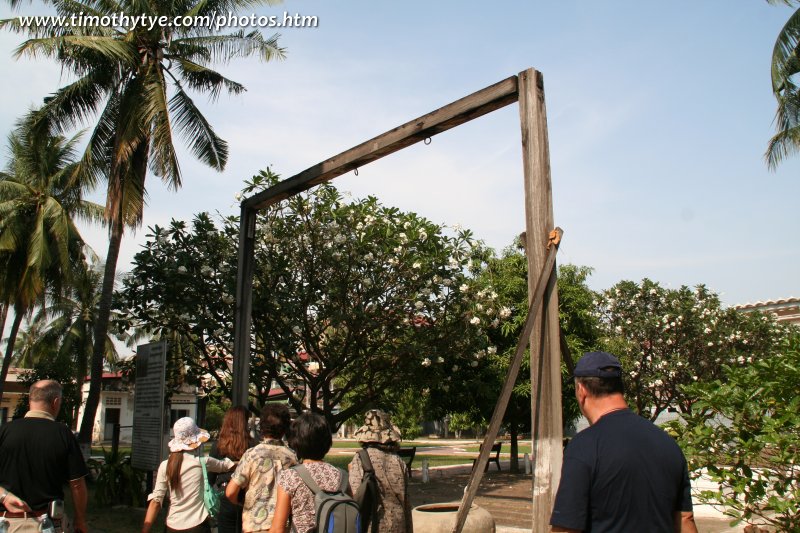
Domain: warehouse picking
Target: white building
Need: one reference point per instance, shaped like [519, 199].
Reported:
[116, 405]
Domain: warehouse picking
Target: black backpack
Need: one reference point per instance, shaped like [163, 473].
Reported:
[368, 494]
[336, 511]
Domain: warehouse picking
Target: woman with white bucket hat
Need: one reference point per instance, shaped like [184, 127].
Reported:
[181, 477]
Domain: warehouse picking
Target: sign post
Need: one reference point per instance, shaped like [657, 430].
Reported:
[148, 406]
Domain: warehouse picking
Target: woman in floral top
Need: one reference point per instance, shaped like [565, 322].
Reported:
[258, 470]
[310, 437]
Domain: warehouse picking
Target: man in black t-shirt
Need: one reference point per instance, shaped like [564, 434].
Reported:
[38, 456]
[623, 473]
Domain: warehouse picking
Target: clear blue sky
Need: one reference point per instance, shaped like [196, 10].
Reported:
[659, 114]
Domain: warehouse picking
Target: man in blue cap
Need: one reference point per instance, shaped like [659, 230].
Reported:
[622, 473]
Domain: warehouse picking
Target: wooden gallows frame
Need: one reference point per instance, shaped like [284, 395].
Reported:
[527, 88]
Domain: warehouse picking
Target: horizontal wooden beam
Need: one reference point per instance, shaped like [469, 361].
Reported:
[475, 105]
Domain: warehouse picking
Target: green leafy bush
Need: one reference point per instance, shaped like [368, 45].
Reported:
[744, 431]
[116, 481]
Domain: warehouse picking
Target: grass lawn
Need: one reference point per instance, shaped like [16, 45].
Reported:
[433, 460]
[506, 448]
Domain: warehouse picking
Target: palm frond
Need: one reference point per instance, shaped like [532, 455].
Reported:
[163, 159]
[782, 145]
[76, 103]
[11, 189]
[96, 8]
[784, 54]
[60, 230]
[205, 7]
[61, 46]
[199, 134]
[203, 79]
[224, 48]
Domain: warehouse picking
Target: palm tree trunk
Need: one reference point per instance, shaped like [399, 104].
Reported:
[12, 338]
[3, 315]
[100, 334]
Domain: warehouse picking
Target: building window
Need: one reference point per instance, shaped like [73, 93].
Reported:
[113, 401]
[175, 414]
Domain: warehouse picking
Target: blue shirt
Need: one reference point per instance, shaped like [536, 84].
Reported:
[622, 474]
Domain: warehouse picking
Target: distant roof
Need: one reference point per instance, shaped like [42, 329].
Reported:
[784, 310]
[769, 303]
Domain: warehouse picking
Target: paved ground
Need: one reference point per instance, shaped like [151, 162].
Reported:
[508, 498]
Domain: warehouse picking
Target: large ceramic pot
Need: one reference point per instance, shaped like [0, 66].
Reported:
[441, 517]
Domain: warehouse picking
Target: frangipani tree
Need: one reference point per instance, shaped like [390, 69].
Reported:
[669, 338]
[351, 300]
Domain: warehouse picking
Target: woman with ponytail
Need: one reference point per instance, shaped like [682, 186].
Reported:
[181, 478]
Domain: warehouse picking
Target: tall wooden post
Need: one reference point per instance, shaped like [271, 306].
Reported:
[244, 306]
[547, 430]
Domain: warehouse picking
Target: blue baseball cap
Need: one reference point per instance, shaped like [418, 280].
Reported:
[598, 365]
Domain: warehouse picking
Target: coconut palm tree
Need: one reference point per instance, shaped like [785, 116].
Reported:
[28, 349]
[41, 192]
[65, 327]
[136, 82]
[785, 67]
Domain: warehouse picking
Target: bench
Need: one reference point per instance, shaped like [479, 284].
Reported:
[407, 455]
[496, 459]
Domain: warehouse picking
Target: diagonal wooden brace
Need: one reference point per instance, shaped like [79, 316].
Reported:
[537, 304]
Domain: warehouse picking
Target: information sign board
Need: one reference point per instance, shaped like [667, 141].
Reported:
[148, 406]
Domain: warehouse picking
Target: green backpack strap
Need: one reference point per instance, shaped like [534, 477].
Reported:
[345, 485]
[205, 472]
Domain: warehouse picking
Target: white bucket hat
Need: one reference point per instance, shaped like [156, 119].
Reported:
[187, 436]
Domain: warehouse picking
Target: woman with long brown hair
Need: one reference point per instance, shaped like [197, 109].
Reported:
[234, 440]
[181, 478]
